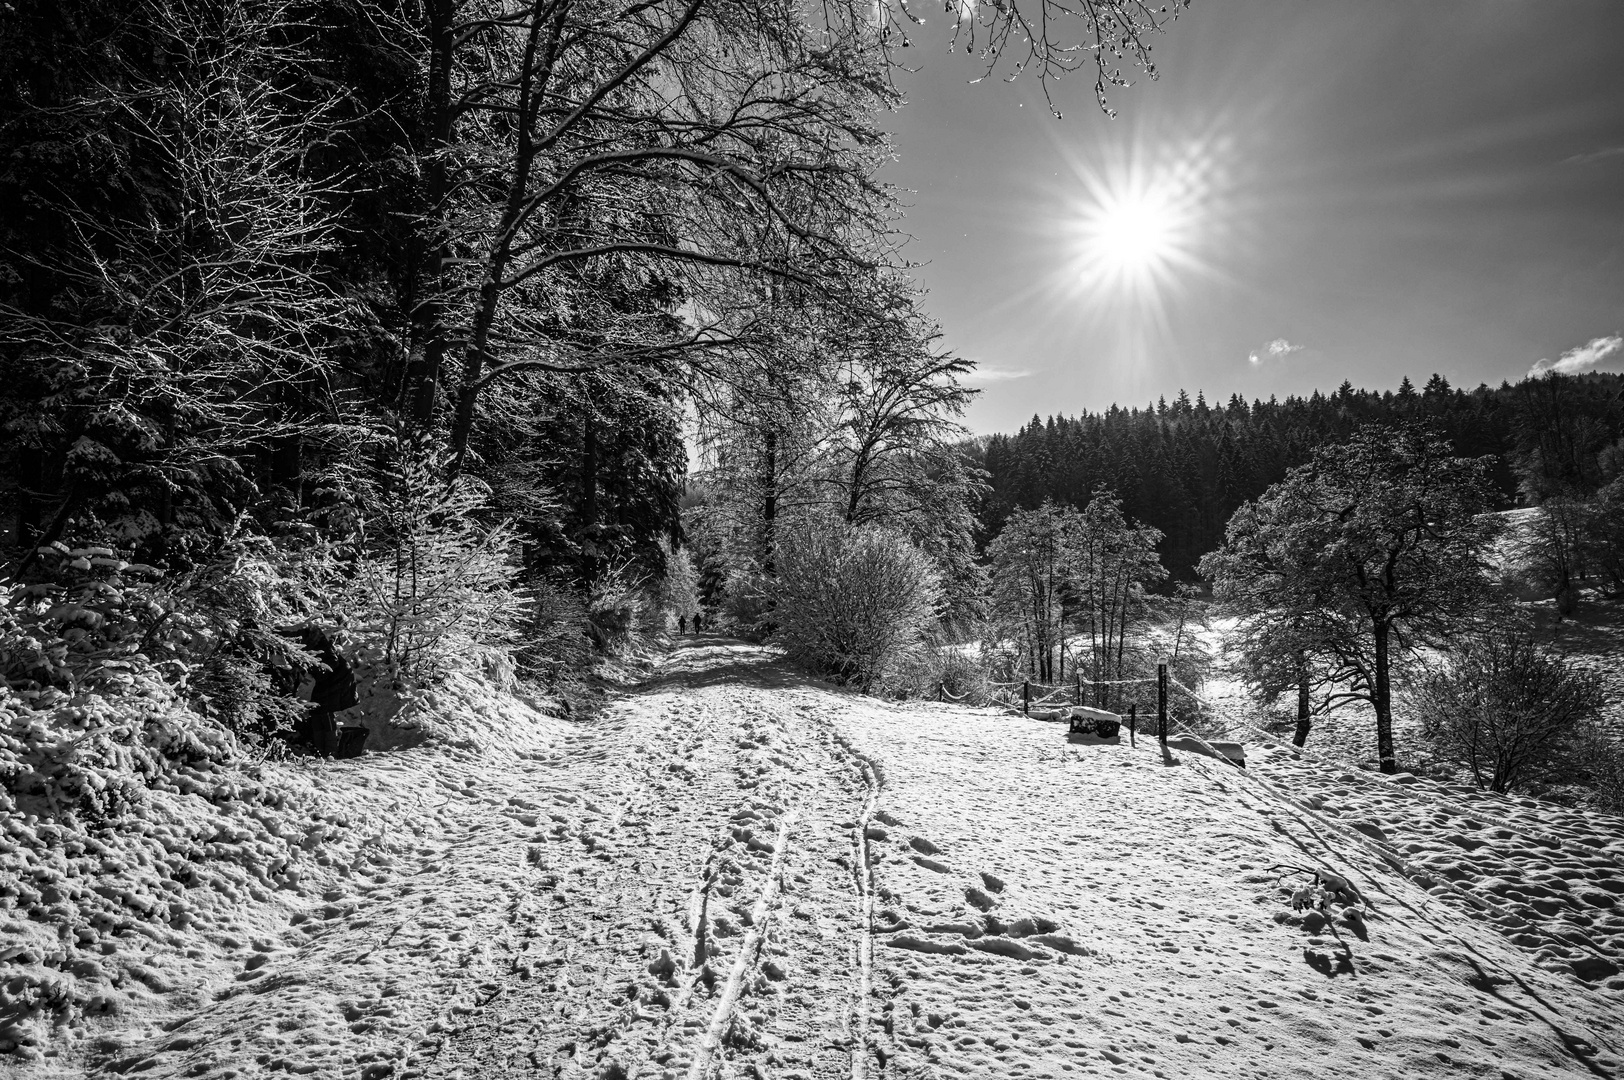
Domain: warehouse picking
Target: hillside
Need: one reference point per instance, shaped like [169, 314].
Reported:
[736, 872]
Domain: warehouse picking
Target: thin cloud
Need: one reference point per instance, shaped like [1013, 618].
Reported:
[1274, 350]
[1581, 358]
[1590, 157]
[982, 374]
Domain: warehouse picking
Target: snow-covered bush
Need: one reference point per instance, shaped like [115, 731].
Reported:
[432, 585]
[1504, 708]
[1594, 767]
[92, 621]
[618, 607]
[77, 623]
[852, 602]
[955, 672]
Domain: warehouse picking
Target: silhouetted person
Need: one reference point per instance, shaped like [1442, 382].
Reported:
[331, 688]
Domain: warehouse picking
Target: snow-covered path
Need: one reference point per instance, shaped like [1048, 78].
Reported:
[703, 915]
[738, 872]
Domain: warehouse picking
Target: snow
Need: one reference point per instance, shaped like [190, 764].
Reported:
[735, 871]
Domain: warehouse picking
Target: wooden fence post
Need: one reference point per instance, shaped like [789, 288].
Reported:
[1026, 697]
[1133, 722]
[1161, 704]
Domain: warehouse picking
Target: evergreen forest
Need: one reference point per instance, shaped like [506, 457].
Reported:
[1185, 467]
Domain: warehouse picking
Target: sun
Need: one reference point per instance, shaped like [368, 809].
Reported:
[1134, 234]
[1139, 225]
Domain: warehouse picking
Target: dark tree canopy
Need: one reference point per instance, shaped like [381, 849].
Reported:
[1186, 468]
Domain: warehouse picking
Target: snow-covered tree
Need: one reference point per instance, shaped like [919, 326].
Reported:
[1374, 548]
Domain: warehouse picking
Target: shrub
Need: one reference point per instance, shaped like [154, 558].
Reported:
[1606, 766]
[618, 608]
[1604, 536]
[851, 602]
[955, 671]
[558, 644]
[1592, 770]
[92, 621]
[1504, 708]
[433, 587]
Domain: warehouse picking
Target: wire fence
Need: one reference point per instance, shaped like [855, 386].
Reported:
[1216, 720]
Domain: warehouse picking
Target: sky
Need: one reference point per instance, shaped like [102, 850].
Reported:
[1309, 192]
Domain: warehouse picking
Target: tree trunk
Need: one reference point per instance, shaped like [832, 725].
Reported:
[462, 424]
[590, 556]
[854, 498]
[1383, 700]
[1122, 642]
[430, 253]
[769, 506]
[287, 464]
[53, 531]
[1303, 720]
[532, 79]
[30, 500]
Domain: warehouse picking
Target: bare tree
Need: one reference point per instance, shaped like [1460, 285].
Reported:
[1030, 571]
[1554, 547]
[714, 146]
[1111, 563]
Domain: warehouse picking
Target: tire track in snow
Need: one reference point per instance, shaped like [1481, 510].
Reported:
[749, 949]
[864, 871]
[863, 874]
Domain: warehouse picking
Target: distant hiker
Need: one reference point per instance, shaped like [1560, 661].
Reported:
[682, 624]
[698, 622]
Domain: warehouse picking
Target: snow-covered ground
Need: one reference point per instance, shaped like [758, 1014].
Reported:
[735, 871]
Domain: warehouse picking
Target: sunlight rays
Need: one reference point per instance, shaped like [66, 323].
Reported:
[1135, 231]
[1143, 226]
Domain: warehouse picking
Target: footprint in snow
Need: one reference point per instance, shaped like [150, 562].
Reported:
[978, 899]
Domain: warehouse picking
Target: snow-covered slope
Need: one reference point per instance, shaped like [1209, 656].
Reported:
[214, 868]
[737, 872]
